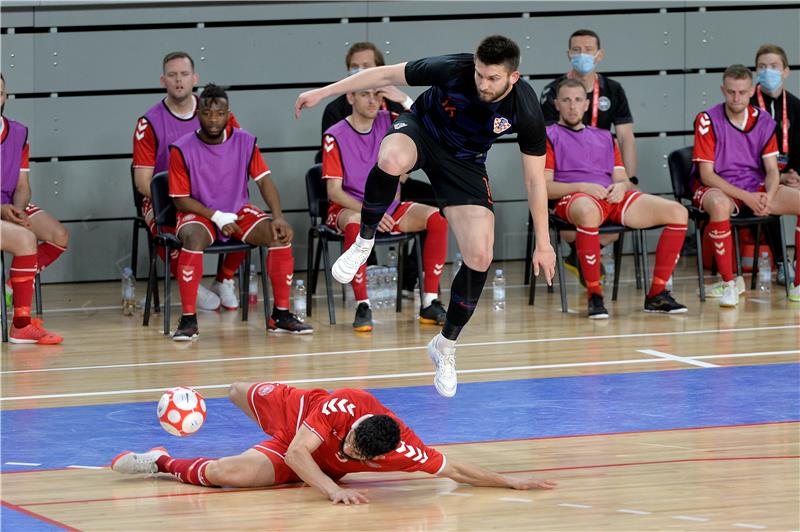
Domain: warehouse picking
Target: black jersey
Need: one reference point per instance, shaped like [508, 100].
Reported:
[456, 118]
[612, 103]
[774, 107]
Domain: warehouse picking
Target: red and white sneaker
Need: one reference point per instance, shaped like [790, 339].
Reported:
[33, 333]
[130, 463]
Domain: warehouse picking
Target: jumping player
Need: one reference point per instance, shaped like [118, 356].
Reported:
[473, 100]
[349, 151]
[164, 123]
[317, 438]
[208, 181]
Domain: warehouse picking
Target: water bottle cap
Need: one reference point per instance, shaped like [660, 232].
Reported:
[498, 272]
[765, 254]
[126, 271]
[252, 268]
[299, 282]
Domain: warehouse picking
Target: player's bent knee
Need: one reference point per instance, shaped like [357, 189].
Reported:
[237, 393]
[61, 236]
[395, 161]
[479, 261]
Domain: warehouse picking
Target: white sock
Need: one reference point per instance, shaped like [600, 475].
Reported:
[445, 344]
[364, 243]
[427, 299]
[362, 301]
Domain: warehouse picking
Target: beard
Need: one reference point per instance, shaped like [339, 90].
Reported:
[493, 97]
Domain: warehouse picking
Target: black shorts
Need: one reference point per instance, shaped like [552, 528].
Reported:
[454, 182]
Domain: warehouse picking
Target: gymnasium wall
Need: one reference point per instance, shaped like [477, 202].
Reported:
[81, 73]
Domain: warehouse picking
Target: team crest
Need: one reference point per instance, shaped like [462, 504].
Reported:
[501, 124]
[603, 103]
[265, 389]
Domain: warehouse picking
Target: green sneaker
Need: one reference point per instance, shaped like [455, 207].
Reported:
[9, 295]
[716, 290]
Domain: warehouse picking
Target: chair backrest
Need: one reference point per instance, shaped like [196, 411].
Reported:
[137, 196]
[316, 194]
[163, 208]
[680, 172]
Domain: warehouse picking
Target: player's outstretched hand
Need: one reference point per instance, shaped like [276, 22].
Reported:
[306, 100]
[544, 260]
[528, 483]
[346, 496]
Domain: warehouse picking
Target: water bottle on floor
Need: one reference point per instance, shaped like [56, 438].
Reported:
[764, 272]
[128, 292]
[391, 259]
[607, 260]
[252, 286]
[499, 290]
[300, 299]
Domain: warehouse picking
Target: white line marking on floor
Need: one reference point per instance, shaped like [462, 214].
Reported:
[84, 467]
[690, 518]
[571, 505]
[667, 356]
[514, 499]
[23, 463]
[455, 494]
[756, 354]
[635, 512]
[759, 301]
[667, 446]
[409, 348]
[747, 525]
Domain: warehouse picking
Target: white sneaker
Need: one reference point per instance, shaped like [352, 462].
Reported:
[794, 293]
[716, 290]
[348, 263]
[206, 299]
[444, 359]
[130, 463]
[730, 295]
[226, 290]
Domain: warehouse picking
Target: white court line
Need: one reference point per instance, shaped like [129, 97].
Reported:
[570, 505]
[756, 354]
[84, 467]
[676, 358]
[690, 518]
[23, 463]
[747, 525]
[514, 499]
[394, 349]
[635, 512]
[455, 494]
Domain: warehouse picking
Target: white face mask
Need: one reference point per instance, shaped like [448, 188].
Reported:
[354, 70]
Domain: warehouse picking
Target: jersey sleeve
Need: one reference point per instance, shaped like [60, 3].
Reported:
[179, 184]
[531, 133]
[144, 145]
[335, 414]
[332, 167]
[550, 158]
[704, 141]
[437, 70]
[413, 455]
[258, 166]
[770, 149]
[618, 156]
[25, 165]
[621, 111]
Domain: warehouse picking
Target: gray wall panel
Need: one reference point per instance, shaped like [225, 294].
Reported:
[653, 172]
[656, 102]
[504, 166]
[16, 18]
[389, 9]
[17, 60]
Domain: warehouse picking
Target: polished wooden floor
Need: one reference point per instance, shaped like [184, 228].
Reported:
[724, 478]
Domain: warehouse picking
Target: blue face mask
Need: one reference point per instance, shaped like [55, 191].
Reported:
[354, 70]
[582, 63]
[770, 78]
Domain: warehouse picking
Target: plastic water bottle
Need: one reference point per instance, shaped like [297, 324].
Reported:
[300, 299]
[252, 286]
[391, 260]
[457, 263]
[764, 272]
[668, 286]
[391, 285]
[607, 260]
[128, 292]
[499, 290]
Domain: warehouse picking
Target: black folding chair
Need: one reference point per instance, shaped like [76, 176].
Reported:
[164, 212]
[318, 210]
[680, 172]
[140, 223]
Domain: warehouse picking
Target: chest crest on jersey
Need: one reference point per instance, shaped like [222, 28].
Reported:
[501, 124]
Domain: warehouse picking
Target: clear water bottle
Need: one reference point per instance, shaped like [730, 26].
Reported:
[668, 286]
[128, 292]
[764, 272]
[375, 287]
[391, 285]
[607, 260]
[457, 263]
[252, 286]
[499, 290]
[391, 260]
[300, 299]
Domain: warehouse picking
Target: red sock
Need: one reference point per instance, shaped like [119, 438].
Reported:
[280, 266]
[23, 271]
[720, 234]
[47, 253]
[797, 247]
[173, 259]
[230, 265]
[435, 252]
[359, 283]
[188, 471]
[587, 245]
[668, 252]
[190, 272]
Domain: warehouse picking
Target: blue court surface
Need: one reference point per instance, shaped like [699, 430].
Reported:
[481, 412]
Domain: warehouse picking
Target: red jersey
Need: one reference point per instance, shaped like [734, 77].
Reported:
[705, 142]
[550, 157]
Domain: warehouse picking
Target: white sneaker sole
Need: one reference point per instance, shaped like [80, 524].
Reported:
[599, 317]
[13, 340]
[676, 311]
[284, 331]
[342, 276]
[186, 338]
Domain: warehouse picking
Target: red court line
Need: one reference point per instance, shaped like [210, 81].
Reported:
[29, 513]
[511, 440]
[216, 491]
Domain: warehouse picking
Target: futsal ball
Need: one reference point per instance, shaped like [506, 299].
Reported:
[181, 411]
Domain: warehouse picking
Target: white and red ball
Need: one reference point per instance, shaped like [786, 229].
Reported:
[181, 411]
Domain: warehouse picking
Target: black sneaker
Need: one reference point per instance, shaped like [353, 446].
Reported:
[597, 311]
[284, 322]
[433, 314]
[664, 304]
[363, 321]
[187, 329]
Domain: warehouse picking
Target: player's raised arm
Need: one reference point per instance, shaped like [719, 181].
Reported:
[371, 78]
[478, 476]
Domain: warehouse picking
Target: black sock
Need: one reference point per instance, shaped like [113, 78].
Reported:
[279, 312]
[464, 294]
[379, 192]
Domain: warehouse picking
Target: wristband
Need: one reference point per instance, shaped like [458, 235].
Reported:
[221, 219]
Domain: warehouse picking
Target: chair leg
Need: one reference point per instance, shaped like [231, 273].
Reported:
[398, 303]
[698, 236]
[167, 293]
[637, 258]
[645, 260]
[786, 262]
[244, 273]
[529, 250]
[310, 271]
[756, 254]
[420, 265]
[737, 250]
[328, 281]
[264, 286]
[561, 273]
[135, 248]
[618, 246]
[38, 294]
[151, 288]
[4, 309]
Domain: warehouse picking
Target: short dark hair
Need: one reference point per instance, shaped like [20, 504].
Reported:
[377, 435]
[211, 94]
[772, 49]
[569, 82]
[583, 33]
[737, 71]
[176, 55]
[362, 47]
[498, 49]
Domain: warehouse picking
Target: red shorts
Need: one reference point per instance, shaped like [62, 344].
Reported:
[249, 217]
[32, 210]
[701, 190]
[614, 212]
[334, 210]
[150, 218]
[279, 411]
